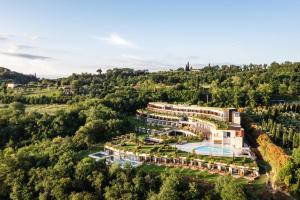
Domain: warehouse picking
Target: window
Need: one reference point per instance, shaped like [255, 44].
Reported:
[226, 134]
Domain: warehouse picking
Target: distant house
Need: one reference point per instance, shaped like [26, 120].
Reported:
[13, 85]
[67, 90]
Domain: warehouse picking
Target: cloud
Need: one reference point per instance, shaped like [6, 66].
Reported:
[117, 40]
[22, 46]
[33, 37]
[13, 48]
[131, 57]
[6, 36]
[140, 61]
[26, 56]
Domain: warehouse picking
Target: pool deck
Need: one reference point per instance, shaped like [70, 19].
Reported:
[189, 147]
[102, 155]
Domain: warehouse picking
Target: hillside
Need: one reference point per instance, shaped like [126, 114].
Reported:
[7, 75]
[47, 133]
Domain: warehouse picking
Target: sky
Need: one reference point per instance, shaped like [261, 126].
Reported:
[55, 38]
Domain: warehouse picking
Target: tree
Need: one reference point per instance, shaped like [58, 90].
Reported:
[99, 71]
[284, 139]
[82, 196]
[169, 189]
[193, 192]
[296, 140]
[187, 67]
[228, 189]
[265, 89]
[283, 89]
[296, 155]
[120, 188]
[290, 137]
[273, 131]
[252, 101]
[84, 168]
[278, 134]
[17, 107]
[4, 88]
[286, 173]
[75, 85]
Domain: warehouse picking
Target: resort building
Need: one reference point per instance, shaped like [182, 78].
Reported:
[219, 125]
[161, 146]
[13, 85]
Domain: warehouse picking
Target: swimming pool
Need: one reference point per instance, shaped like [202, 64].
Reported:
[208, 148]
[214, 150]
[122, 161]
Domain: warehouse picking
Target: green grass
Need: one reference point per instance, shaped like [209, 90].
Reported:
[261, 181]
[52, 91]
[3, 106]
[45, 108]
[145, 148]
[40, 92]
[93, 149]
[41, 108]
[203, 175]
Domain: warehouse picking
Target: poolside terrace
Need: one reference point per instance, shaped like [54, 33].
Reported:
[127, 148]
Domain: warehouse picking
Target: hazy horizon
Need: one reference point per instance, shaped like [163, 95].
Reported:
[194, 66]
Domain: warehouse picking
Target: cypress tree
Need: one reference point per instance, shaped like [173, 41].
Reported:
[273, 131]
[270, 123]
[263, 124]
[295, 140]
[290, 137]
[285, 139]
[187, 67]
[278, 134]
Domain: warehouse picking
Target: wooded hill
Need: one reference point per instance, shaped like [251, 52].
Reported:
[7, 75]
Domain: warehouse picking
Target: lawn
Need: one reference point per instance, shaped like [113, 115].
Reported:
[41, 108]
[51, 91]
[45, 108]
[93, 149]
[3, 106]
[41, 91]
[203, 175]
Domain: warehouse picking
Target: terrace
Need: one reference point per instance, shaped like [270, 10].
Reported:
[132, 148]
[110, 158]
[171, 116]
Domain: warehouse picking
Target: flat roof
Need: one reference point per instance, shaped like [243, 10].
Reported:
[193, 106]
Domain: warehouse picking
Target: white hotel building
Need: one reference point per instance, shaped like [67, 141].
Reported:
[199, 119]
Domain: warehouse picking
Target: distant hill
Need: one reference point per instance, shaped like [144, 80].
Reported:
[7, 75]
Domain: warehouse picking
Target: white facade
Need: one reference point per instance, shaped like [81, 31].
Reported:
[236, 117]
[169, 115]
[227, 137]
[11, 85]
